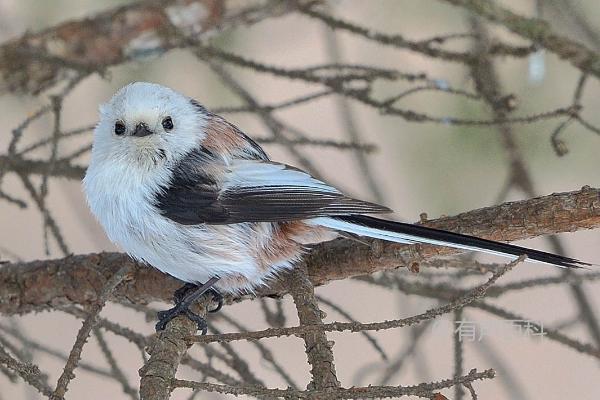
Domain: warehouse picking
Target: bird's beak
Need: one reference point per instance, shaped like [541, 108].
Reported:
[141, 130]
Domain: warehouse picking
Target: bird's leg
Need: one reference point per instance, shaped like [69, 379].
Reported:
[180, 294]
[184, 298]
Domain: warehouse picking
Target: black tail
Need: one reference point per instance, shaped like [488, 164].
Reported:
[420, 234]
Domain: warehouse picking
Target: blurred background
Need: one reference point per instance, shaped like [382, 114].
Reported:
[440, 168]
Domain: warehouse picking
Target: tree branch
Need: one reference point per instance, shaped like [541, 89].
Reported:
[425, 390]
[84, 332]
[62, 168]
[319, 350]
[167, 352]
[35, 62]
[39, 285]
[536, 30]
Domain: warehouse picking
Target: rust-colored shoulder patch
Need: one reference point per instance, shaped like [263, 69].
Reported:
[223, 138]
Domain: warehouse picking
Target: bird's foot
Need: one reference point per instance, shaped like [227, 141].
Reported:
[164, 317]
[184, 297]
[180, 294]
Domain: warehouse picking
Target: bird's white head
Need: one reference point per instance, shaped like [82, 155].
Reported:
[147, 124]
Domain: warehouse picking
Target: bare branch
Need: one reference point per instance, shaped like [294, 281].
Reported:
[35, 62]
[536, 30]
[83, 334]
[346, 315]
[38, 285]
[426, 47]
[116, 371]
[166, 354]
[30, 373]
[318, 349]
[426, 390]
[465, 299]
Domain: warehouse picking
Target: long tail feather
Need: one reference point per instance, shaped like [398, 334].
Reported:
[409, 234]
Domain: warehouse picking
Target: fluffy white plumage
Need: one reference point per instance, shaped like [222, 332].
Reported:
[188, 193]
[125, 174]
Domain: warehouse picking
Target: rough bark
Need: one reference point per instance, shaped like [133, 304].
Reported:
[319, 350]
[38, 285]
[166, 353]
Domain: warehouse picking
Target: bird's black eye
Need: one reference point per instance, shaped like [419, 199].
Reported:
[167, 123]
[119, 128]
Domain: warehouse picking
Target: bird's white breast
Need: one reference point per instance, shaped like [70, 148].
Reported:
[122, 199]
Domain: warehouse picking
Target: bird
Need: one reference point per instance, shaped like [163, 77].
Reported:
[183, 190]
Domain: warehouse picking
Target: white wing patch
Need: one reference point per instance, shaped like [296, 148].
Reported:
[252, 174]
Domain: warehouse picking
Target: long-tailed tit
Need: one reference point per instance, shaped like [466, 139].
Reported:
[189, 193]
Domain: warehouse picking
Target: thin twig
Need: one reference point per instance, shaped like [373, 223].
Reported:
[468, 298]
[29, 372]
[319, 350]
[117, 373]
[425, 390]
[88, 324]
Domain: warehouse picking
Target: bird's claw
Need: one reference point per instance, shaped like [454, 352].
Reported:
[217, 298]
[183, 291]
[184, 297]
[164, 317]
[180, 294]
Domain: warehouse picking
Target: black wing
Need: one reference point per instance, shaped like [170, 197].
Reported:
[252, 191]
